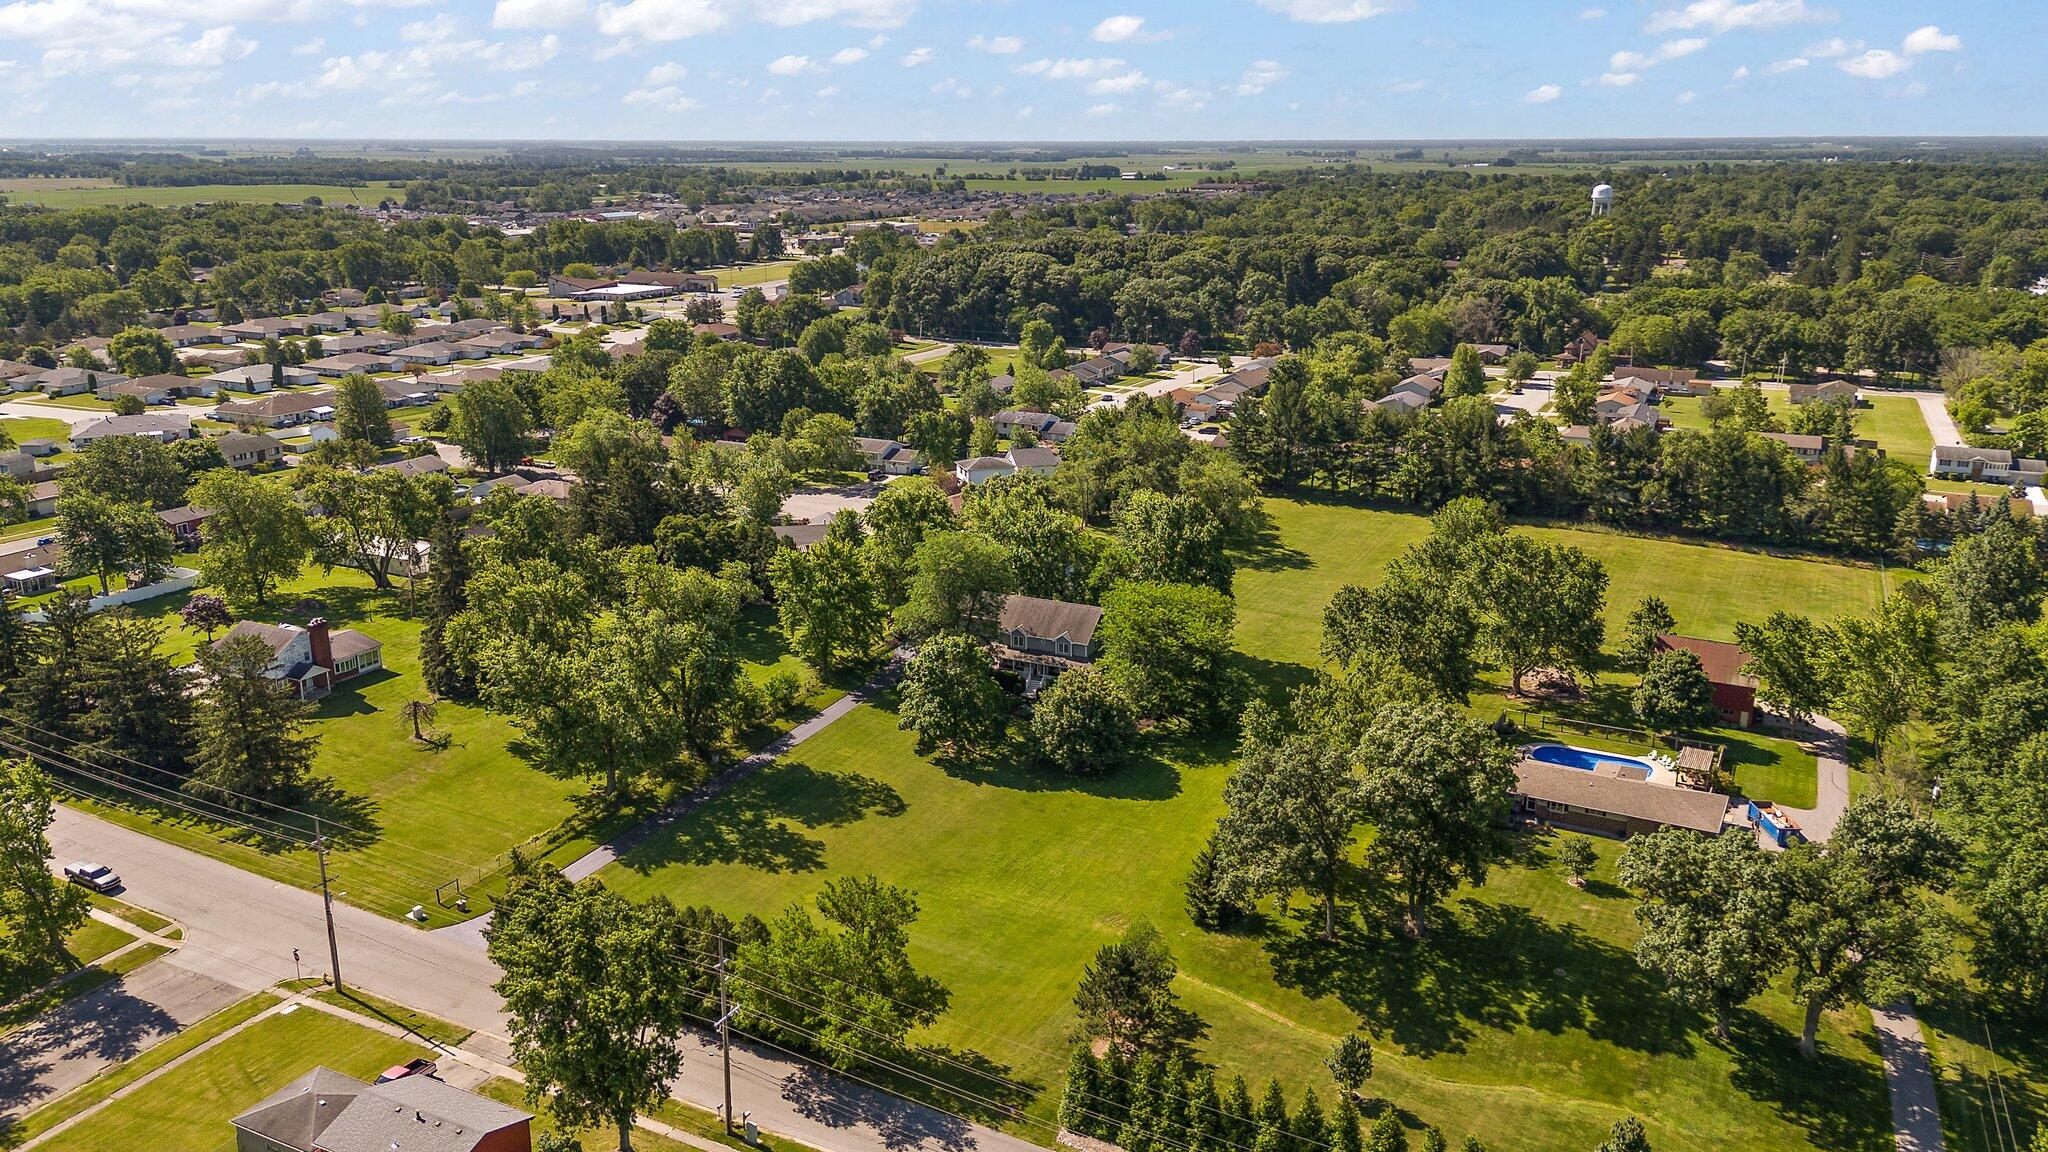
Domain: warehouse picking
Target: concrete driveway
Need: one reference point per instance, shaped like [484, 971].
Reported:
[76, 1041]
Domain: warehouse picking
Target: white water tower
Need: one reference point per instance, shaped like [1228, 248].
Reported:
[1603, 198]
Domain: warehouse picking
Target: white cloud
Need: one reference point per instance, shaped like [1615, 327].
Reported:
[310, 47]
[999, 45]
[1404, 87]
[791, 65]
[1790, 64]
[915, 58]
[537, 13]
[662, 19]
[441, 28]
[1619, 79]
[1931, 39]
[1072, 68]
[1739, 75]
[1263, 74]
[665, 20]
[667, 73]
[1105, 110]
[1876, 64]
[828, 92]
[1685, 97]
[846, 56]
[1668, 51]
[1913, 91]
[1025, 112]
[1542, 94]
[666, 98]
[951, 86]
[1124, 29]
[1332, 11]
[1830, 48]
[1729, 15]
[1592, 13]
[1116, 85]
[1179, 98]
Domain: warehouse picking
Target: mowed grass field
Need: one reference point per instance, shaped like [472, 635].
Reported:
[187, 1109]
[748, 275]
[406, 818]
[68, 194]
[1318, 548]
[1894, 422]
[1523, 1020]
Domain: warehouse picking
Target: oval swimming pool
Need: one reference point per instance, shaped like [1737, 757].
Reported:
[1582, 758]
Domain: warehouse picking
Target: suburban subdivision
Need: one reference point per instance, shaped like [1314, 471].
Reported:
[1524, 643]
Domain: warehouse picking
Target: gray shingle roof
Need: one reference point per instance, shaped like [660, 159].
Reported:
[1050, 619]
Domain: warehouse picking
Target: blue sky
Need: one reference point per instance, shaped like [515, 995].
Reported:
[1018, 69]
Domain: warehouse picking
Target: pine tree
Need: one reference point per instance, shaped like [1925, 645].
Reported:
[1208, 1125]
[1173, 1130]
[252, 740]
[1310, 1131]
[1141, 1123]
[1273, 1132]
[1433, 1140]
[1387, 1134]
[10, 638]
[447, 594]
[1344, 1128]
[1242, 1126]
[1078, 1100]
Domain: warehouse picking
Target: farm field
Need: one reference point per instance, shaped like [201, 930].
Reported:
[66, 194]
[188, 1108]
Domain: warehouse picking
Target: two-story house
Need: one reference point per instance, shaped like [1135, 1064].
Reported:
[1038, 639]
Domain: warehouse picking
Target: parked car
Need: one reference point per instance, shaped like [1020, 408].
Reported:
[420, 1067]
[97, 877]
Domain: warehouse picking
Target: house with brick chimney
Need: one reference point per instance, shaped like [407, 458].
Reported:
[312, 659]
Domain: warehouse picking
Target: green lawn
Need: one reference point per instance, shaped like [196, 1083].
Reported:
[1524, 1020]
[58, 196]
[429, 1028]
[1898, 427]
[188, 1108]
[408, 818]
[1319, 547]
[120, 1076]
[1894, 422]
[748, 275]
[20, 428]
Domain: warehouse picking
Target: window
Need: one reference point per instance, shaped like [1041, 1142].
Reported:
[1060, 646]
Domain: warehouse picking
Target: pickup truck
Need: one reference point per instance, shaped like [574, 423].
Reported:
[420, 1067]
[97, 877]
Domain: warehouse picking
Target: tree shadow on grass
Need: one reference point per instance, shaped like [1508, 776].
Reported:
[759, 822]
[1840, 1102]
[1146, 777]
[1495, 966]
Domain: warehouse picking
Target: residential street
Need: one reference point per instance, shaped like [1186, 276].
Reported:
[241, 930]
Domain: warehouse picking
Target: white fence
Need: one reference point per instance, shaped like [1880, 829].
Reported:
[179, 580]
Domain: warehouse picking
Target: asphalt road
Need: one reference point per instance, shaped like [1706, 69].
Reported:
[240, 929]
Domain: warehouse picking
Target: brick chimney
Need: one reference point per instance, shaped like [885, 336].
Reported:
[323, 650]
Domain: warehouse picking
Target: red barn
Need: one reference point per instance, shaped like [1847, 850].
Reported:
[1734, 692]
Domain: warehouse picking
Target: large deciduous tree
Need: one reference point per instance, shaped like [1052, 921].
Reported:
[256, 538]
[594, 1006]
[1082, 725]
[1709, 914]
[1168, 647]
[951, 699]
[829, 604]
[1437, 784]
[1291, 810]
[866, 996]
[37, 910]
[490, 422]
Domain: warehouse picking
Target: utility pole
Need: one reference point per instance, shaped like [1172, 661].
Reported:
[725, 1012]
[327, 903]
